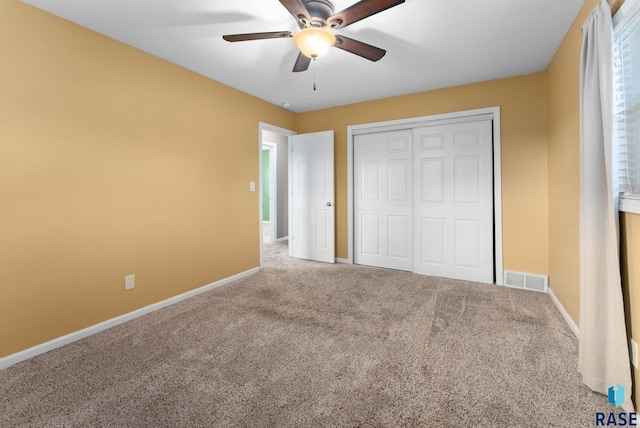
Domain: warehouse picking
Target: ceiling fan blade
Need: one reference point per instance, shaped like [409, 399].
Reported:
[361, 10]
[298, 11]
[257, 36]
[302, 63]
[364, 50]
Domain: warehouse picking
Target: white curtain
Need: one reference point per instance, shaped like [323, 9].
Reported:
[604, 356]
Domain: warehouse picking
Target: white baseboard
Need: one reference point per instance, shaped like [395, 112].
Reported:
[81, 334]
[343, 261]
[565, 314]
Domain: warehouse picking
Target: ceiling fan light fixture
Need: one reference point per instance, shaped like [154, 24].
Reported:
[314, 42]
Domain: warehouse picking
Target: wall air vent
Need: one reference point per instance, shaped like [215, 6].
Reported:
[526, 281]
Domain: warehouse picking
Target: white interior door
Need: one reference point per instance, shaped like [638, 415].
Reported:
[383, 198]
[453, 175]
[313, 203]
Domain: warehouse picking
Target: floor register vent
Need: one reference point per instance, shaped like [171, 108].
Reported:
[526, 281]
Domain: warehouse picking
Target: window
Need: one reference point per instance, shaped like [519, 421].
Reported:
[626, 57]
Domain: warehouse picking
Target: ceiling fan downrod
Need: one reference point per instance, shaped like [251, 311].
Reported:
[319, 12]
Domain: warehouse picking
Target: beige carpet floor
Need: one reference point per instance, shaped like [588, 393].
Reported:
[304, 344]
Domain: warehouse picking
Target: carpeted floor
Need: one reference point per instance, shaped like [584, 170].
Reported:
[304, 344]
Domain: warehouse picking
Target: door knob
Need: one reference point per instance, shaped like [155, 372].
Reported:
[329, 204]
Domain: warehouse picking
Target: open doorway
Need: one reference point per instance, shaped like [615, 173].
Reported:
[273, 186]
[269, 191]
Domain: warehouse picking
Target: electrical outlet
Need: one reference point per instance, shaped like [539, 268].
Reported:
[634, 352]
[129, 282]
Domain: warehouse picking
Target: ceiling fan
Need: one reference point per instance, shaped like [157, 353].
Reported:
[315, 18]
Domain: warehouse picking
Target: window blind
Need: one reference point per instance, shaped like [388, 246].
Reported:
[626, 58]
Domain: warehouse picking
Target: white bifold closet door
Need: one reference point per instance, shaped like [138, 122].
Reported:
[424, 200]
[383, 193]
[454, 201]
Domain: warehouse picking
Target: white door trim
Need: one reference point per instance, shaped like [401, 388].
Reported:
[273, 189]
[453, 117]
[287, 132]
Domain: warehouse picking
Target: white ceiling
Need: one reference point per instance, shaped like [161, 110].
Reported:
[430, 44]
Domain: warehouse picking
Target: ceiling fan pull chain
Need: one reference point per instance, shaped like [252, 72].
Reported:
[314, 74]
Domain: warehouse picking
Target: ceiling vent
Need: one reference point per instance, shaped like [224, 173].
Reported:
[526, 281]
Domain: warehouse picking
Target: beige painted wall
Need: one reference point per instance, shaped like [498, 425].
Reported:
[630, 234]
[563, 76]
[114, 162]
[524, 154]
[563, 81]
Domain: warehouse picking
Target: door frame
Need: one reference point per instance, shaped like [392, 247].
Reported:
[273, 188]
[492, 113]
[262, 126]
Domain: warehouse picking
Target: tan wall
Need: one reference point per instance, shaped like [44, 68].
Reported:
[114, 162]
[524, 154]
[563, 135]
[630, 234]
[563, 76]
[563, 80]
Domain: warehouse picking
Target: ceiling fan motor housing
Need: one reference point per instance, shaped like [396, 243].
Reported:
[319, 10]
